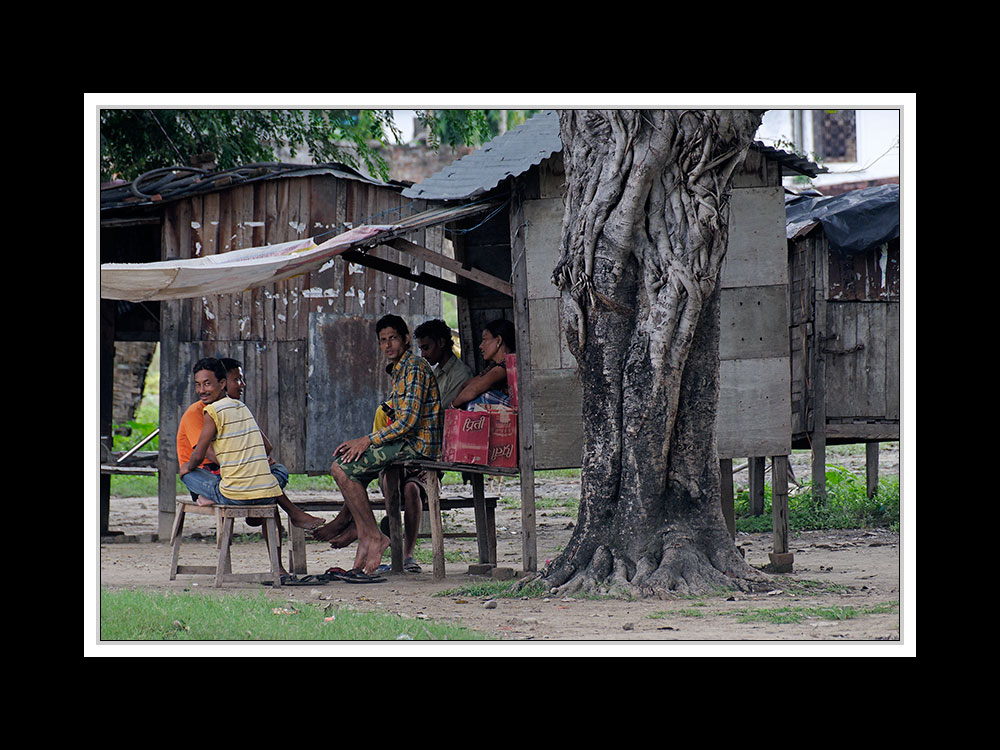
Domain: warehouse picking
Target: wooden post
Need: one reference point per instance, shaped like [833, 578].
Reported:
[107, 372]
[393, 483]
[871, 468]
[437, 533]
[296, 550]
[728, 496]
[525, 409]
[756, 470]
[479, 508]
[781, 558]
[818, 390]
[175, 380]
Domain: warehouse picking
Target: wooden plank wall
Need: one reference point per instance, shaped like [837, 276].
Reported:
[858, 370]
[268, 328]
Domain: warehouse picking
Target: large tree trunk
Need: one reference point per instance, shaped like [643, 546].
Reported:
[644, 235]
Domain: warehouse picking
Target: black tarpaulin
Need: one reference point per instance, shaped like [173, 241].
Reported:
[852, 222]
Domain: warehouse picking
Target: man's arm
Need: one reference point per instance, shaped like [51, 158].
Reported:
[407, 408]
[201, 449]
[478, 385]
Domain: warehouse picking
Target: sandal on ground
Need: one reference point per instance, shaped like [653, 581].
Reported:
[357, 575]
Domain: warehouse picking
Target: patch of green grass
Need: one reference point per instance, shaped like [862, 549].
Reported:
[796, 614]
[140, 486]
[134, 615]
[498, 590]
[846, 506]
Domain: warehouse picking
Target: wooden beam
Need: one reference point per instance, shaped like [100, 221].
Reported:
[387, 266]
[450, 264]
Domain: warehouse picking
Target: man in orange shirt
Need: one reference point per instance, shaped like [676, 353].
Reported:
[190, 429]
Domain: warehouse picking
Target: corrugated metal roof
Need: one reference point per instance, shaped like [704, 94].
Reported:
[508, 155]
[517, 150]
[173, 183]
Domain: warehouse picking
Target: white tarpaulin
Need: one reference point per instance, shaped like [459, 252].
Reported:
[227, 273]
[240, 270]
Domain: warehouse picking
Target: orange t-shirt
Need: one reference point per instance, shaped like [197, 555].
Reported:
[189, 431]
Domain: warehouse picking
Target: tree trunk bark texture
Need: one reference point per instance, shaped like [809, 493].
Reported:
[644, 235]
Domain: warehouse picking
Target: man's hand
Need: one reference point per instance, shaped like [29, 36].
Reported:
[351, 450]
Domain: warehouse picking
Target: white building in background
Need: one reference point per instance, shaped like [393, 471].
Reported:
[859, 147]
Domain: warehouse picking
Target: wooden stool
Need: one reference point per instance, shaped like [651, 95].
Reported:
[224, 516]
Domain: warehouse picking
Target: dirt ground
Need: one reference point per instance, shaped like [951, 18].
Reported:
[857, 569]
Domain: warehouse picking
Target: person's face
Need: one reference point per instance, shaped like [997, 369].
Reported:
[490, 345]
[208, 387]
[433, 350]
[236, 384]
[391, 343]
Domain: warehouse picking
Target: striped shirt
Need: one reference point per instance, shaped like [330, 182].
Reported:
[419, 419]
[243, 465]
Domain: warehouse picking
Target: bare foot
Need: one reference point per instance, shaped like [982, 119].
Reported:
[346, 537]
[370, 553]
[306, 521]
[202, 500]
[329, 530]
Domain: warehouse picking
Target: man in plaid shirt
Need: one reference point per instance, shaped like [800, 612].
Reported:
[415, 431]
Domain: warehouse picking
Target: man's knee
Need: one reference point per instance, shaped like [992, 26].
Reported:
[341, 477]
[280, 474]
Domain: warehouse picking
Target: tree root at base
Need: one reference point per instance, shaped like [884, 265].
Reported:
[682, 571]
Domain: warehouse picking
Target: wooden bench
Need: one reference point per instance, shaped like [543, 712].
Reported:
[136, 463]
[483, 507]
[224, 516]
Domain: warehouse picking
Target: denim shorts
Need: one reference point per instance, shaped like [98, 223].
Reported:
[205, 483]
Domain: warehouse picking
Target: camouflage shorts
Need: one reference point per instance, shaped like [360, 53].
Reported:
[369, 464]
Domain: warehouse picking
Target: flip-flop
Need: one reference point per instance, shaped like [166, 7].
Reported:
[309, 580]
[287, 579]
[411, 566]
[357, 575]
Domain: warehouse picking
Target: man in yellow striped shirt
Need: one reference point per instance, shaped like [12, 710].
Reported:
[245, 476]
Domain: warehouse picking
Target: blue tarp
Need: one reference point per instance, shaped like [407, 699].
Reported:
[853, 222]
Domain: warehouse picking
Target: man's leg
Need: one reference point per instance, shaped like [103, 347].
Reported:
[341, 531]
[204, 485]
[296, 516]
[372, 543]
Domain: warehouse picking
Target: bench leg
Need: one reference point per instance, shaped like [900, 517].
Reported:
[271, 529]
[393, 478]
[225, 564]
[437, 532]
[479, 506]
[491, 534]
[175, 541]
[296, 550]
